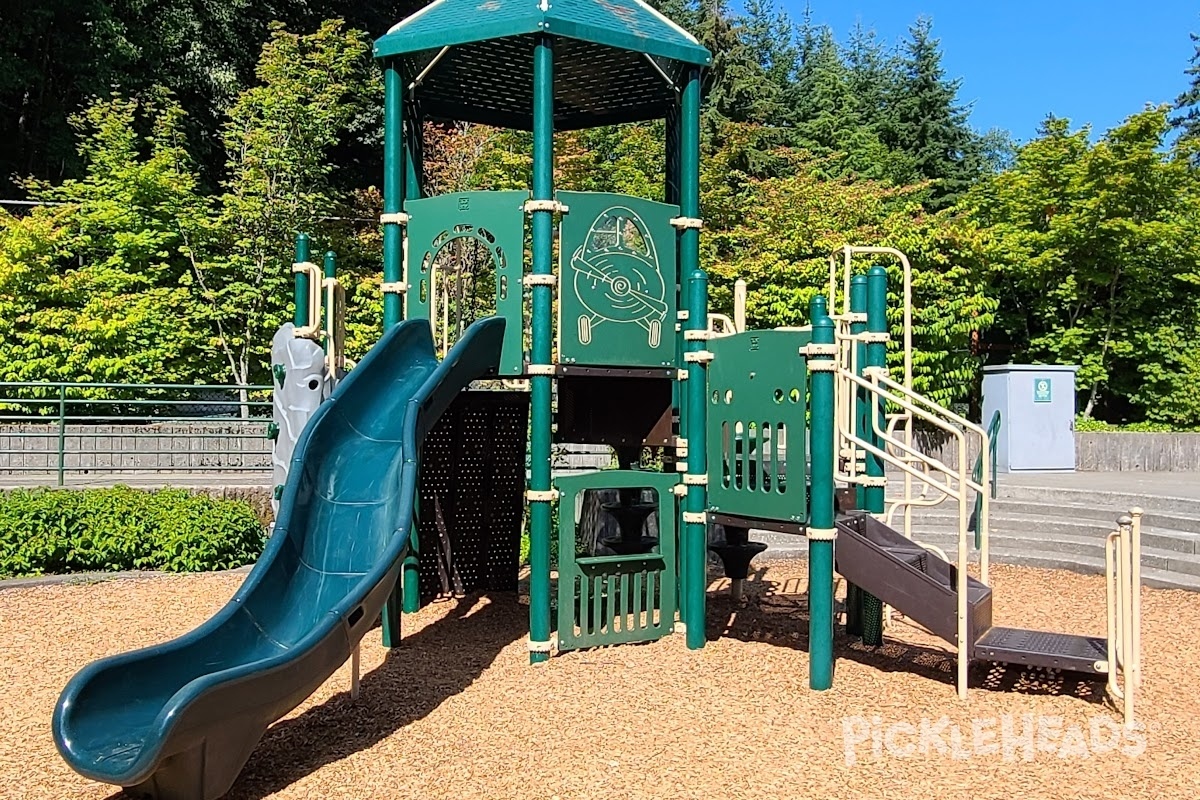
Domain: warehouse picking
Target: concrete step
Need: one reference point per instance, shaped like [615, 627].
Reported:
[1116, 500]
[1108, 503]
[1105, 517]
[1036, 530]
[1066, 545]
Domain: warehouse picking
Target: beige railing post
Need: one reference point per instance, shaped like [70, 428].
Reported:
[313, 328]
[1123, 588]
[739, 305]
[1135, 544]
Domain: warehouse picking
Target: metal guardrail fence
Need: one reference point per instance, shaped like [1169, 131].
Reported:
[57, 430]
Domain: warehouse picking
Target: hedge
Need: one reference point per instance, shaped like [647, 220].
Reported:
[54, 531]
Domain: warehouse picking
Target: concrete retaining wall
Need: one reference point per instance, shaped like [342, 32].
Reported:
[1108, 451]
[1137, 452]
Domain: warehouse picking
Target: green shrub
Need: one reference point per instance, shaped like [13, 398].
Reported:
[51, 531]
[1088, 425]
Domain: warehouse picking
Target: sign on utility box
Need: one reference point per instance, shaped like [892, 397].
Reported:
[1037, 412]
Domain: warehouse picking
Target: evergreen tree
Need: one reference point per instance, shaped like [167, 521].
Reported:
[770, 36]
[739, 89]
[1188, 103]
[871, 71]
[829, 119]
[926, 122]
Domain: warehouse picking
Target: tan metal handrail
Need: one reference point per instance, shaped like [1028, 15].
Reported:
[877, 385]
[313, 329]
[1123, 584]
[335, 327]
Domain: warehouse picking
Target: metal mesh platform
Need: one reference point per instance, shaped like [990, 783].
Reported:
[1044, 649]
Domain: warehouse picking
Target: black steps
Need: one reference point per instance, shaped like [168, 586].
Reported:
[923, 587]
[908, 577]
[1064, 651]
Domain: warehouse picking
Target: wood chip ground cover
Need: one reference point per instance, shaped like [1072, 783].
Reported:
[456, 712]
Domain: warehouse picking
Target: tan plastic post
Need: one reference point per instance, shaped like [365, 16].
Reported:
[739, 305]
[1136, 544]
[313, 272]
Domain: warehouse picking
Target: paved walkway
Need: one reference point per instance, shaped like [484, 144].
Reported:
[1163, 484]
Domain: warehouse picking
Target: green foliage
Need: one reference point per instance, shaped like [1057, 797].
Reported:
[278, 139]
[1090, 425]
[133, 274]
[925, 122]
[1094, 252]
[59, 54]
[63, 531]
[777, 234]
[94, 287]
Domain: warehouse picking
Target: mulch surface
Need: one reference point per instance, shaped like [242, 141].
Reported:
[457, 712]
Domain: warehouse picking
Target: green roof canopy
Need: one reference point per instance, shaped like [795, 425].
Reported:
[615, 60]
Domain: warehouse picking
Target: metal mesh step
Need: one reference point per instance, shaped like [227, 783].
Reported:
[1043, 649]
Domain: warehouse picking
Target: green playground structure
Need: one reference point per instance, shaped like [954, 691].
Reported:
[572, 318]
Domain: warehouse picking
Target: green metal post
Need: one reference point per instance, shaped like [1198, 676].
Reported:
[540, 351]
[821, 525]
[300, 317]
[876, 356]
[414, 156]
[393, 301]
[62, 434]
[817, 308]
[410, 146]
[393, 190]
[858, 305]
[678, 402]
[873, 496]
[695, 533]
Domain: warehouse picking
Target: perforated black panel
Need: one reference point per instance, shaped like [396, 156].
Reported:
[491, 82]
[471, 495]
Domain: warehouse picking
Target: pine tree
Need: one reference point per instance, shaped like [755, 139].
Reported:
[927, 123]
[871, 69]
[770, 36]
[1188, 122]
[829, 118]
[739, 89]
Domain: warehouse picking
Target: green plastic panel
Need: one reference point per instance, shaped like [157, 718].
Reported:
[757, 395]
[619, 280]
[607, 600]
[475, 223]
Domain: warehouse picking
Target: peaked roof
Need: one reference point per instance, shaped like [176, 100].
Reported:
[624, 24]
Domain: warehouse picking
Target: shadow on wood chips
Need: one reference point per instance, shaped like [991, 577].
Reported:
[777, 613]
[432, 665]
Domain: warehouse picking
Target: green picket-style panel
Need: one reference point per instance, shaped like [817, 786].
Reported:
[607, 600]
[757, 403]
[619, 281]
[443, 233]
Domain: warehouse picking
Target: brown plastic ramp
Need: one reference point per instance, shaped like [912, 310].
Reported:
[906, 576]
[1044, 649]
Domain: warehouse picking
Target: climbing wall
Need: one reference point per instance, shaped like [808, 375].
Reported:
[471, 495]
[301, 385]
